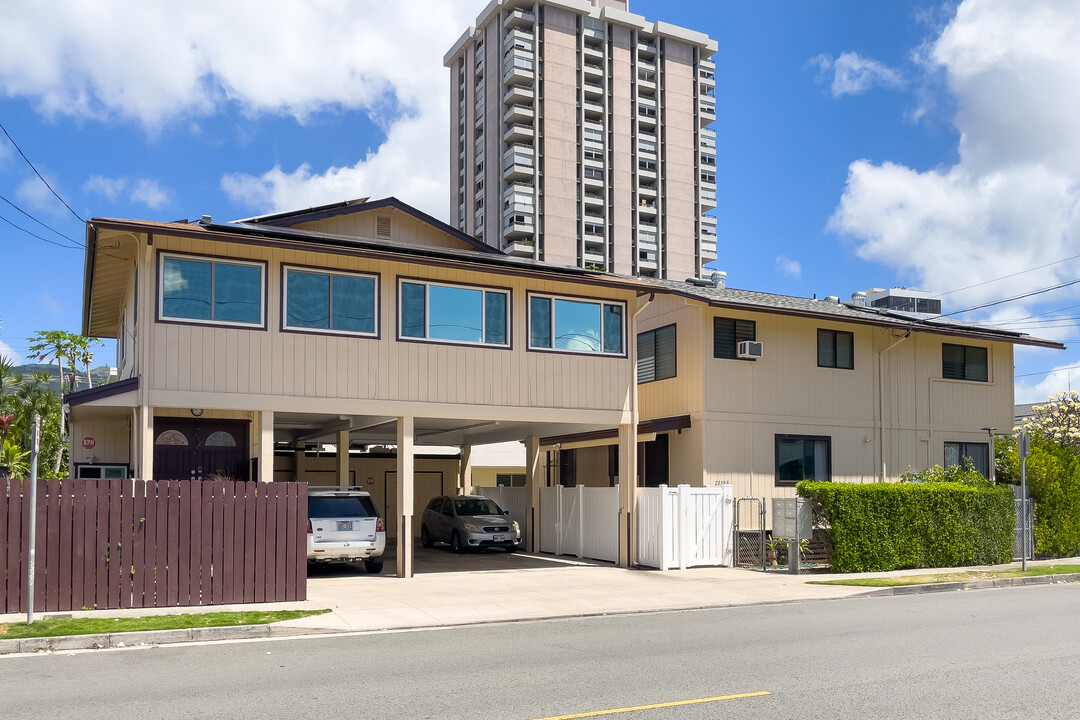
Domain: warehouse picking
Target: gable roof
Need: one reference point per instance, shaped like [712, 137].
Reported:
[828, 310]
[292, 218]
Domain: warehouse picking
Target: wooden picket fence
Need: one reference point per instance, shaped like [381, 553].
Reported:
[134, 543]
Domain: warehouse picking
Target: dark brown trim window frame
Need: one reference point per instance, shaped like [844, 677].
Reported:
[792, 469]
[835, 349]
[657, 354]
[728, 333]
[965, 362]
[214, 261]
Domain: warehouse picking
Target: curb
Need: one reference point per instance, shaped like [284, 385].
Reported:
[974, 585]
[130, 639]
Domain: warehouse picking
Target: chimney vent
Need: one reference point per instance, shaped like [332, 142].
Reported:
[719, 279]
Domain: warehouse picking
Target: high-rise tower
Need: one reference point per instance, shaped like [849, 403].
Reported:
[578, 137]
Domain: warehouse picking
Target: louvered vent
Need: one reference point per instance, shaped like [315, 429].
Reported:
[382, 226]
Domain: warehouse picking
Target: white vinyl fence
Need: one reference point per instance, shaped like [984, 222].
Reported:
[581, 521]
[685, 526]
[508, 498]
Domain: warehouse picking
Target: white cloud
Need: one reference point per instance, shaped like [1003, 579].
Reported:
[853, 74]
[142, 190]
[10, 355]
[789, 267]
[111, 188]
[184, 61]
[149, 193]
[1012, 202]
[34, 196]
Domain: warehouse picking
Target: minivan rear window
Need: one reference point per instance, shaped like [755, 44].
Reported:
[346, 506]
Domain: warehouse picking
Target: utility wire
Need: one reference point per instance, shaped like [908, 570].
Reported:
[42, 239]
[1013, 298]
[1006, 277]
[66, 237]
[12, 140]
[1047, 372]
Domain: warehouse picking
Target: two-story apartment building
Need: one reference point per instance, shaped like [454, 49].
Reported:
[824, 390]
[354, 325]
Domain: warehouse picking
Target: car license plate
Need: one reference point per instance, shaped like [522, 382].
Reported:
[497, 538]
[344, 525]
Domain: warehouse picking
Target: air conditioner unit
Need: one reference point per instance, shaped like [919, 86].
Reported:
[750, 350]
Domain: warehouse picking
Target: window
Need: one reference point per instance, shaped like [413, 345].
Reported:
[596, 155]
[336, 302]
[510, 480]
[963, 362]
[835, 349]
[454, 313]
[211, 291]
[575, 325]
[802, 457]
[979, 454]
[656, 354]
[728, 333]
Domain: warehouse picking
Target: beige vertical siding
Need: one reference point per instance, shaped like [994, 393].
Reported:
[403, 228]
[199, 359]
[110, 434]
[682, 394]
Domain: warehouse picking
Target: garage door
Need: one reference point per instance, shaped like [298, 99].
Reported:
[426, 485]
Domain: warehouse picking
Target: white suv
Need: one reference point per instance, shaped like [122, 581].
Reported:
[344, 526]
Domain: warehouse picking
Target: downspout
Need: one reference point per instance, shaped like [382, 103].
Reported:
[881, 401]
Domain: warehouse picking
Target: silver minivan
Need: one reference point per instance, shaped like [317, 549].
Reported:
[344, 526]
[468, 521]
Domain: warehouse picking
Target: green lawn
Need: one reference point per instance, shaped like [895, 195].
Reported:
[52, 627]
[967, 576]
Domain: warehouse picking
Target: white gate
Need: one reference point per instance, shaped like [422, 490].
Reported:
[581, 521]
[508, 498]
[685, 526]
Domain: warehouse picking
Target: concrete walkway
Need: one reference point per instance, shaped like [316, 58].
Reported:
[525, 587]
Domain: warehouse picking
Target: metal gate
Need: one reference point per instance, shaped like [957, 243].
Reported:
[1018, 531]
[749, 532]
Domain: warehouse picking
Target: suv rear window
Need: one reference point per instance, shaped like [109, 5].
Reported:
[345, 506]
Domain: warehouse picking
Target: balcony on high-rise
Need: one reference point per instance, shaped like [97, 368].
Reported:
[518, 94]
[519, 162]
[519, 18]
[519, 133]
[519, 113]
[646, 48]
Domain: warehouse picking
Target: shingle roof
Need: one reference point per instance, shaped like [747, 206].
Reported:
[828, 309]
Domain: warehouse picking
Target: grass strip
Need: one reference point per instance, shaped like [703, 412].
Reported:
[968, 576]
[57, 626]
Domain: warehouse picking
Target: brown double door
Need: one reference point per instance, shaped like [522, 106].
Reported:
[200, 449]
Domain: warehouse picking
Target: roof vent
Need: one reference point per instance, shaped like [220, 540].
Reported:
[719, 279]
[858, 298]
[382, 226]
[832, 299]
[699, 282]
[205, 220]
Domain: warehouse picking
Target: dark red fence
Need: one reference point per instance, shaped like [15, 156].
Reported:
[134, 543]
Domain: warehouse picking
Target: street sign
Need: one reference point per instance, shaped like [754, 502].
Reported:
[1023, 445]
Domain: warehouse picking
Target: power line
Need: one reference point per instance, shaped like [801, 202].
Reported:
[42, 179]
[39, 222]
[1013, 298]
[42, 239]
[1006, 277]
[1047, 372]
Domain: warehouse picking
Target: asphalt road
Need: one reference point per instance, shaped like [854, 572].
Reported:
[1002, 653]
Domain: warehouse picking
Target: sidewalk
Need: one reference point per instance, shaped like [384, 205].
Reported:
[532, 587]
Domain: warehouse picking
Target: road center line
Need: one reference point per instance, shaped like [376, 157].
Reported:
[674, 703]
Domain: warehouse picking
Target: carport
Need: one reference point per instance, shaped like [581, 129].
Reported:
[410, 434]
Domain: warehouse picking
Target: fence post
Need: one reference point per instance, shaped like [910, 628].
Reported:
[558, 519]
[580, 520]
[681, 523]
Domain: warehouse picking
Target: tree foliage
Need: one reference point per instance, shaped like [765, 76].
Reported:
[1053, 480]
[1057, 419]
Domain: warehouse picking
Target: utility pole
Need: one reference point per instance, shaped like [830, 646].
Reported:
[36, 438]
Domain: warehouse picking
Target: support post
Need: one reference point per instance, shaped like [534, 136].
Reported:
[466, 480]
[405, 481]
[266, 447]
[299, 460]
[534, 480]
[343, 458]
[146, 443]
[627, 494]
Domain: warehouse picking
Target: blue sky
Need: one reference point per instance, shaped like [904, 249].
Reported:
[860, 144]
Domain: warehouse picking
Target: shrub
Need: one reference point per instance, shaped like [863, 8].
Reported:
[885, 526]
[1053, 479]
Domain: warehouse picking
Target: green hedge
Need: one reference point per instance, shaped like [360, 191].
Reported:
[885, 526]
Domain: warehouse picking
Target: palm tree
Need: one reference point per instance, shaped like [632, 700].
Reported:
[47, 345]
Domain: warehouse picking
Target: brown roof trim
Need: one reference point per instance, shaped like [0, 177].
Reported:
[350, 207]
[302, 240]
[878, 321]
[645, 427]
[102, 391]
